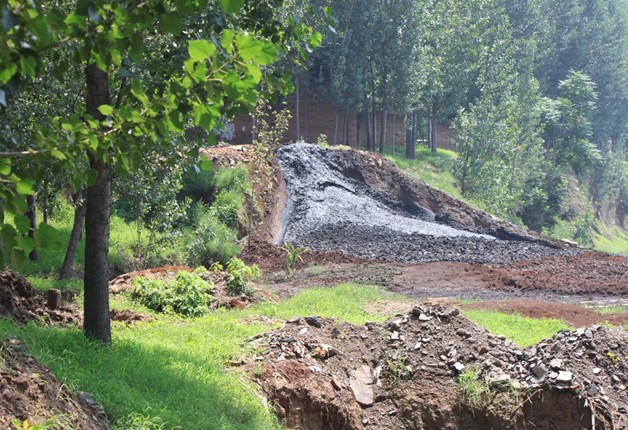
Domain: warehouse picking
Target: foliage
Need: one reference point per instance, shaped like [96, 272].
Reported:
[188, 295]
[136, 421]
[568, 130]
[474, 389]
[293, 256]
[240, 276]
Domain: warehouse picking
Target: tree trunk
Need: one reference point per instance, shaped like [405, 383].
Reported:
[345, 134]
[298, 107]
[394, 134]
[410, 148]
[358, 130]
[336, 128]
[382, 139]
[374, 130]
[97, 324]
[31, 214]
[434, 129]
[75, 235]
[367, 115]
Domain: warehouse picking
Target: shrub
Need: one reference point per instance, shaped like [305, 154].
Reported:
[240, 275]
[188, 295]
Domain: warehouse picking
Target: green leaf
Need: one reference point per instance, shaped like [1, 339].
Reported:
[227, 37]
[231, 6]
[259, 51]
[137, 48]
[172, 24]
[17, 257]
[7, 73]
[28, 66]
[206, 165]
[105, 109]
[22, 223]
[46, 235]
[25, 187]
[201, 49]
[57, 154]
[5, 166]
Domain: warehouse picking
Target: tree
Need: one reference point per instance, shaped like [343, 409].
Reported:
[214, 54]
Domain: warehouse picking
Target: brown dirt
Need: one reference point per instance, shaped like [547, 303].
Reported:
[311, 368]
[577, 316]
[29, 391]
[20, 301]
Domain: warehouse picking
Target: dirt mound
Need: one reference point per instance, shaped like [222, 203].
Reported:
[360, 204]
[20, 301]
[29, 391]
[402, 374]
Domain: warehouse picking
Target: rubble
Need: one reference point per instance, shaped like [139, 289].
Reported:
[402, 373]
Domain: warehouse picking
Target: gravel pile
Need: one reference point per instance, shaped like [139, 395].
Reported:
[402, 374]
[332, 207]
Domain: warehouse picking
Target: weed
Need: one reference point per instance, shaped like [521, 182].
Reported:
[397, 368]
[321, 140]
[240, 275]
[473, 389]
[293, 256]
[614, 359]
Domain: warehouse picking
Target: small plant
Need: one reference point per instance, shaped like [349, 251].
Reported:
[321, 140]
[614, 359]
[240, 275]
[473, 389]
[293, 256]
[397, 368]
[187, 295]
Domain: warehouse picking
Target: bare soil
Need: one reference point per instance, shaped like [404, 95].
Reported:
[30, 392]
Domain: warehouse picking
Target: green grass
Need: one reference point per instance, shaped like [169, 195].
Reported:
[521, 330]
[435, 169]
[173, 370]
[344, 302]
[612, 310]
[613, 240]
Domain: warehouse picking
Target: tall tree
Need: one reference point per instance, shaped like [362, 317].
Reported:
[215, 61]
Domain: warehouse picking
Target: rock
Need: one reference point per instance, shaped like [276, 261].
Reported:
[423, 317]
[596, 370]
[556, 364]
[361, 383]
[303, 331]
[593, 390]
[564, 377]
[539, 371]
[314, 322]
[458, 367]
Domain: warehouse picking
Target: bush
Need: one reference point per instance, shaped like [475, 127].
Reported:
[239, 276]
[211, 241]
[188, 295]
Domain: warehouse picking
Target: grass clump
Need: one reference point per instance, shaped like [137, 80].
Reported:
[474, 390]
[188, 295]
[521, 330]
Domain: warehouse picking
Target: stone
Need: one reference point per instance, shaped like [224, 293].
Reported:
[539, 371]
[564, 377]
[423, 317]
[596, 370]
[556, 364]
[314, 322]
[458, 367]
[361, 383]
[593, 390]
[303, 331]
